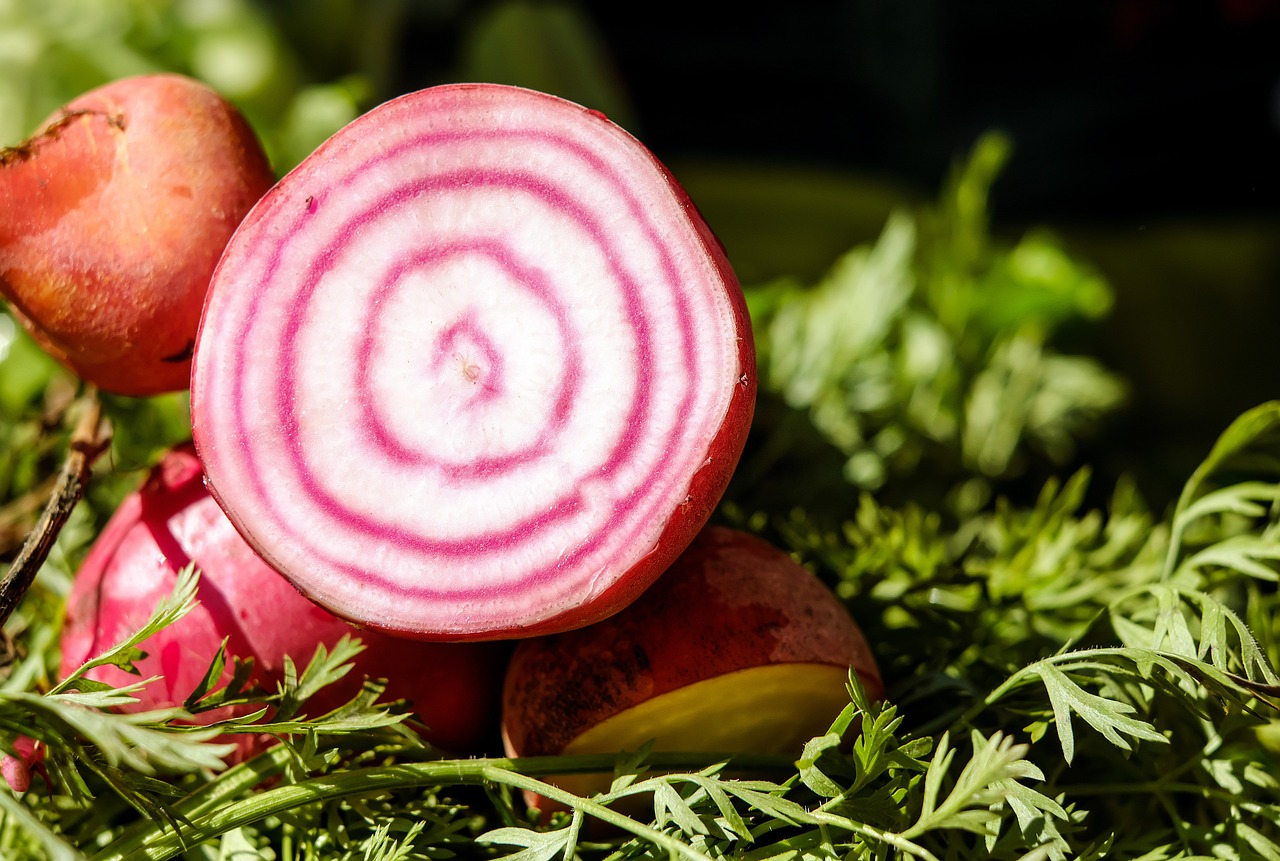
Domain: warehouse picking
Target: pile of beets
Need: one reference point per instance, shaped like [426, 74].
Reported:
[476, 371]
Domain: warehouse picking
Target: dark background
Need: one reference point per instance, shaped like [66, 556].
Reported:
[1128, 109]
[1120, 111]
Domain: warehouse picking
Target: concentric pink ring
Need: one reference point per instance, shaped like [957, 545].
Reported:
[524, 274]
[633, 509]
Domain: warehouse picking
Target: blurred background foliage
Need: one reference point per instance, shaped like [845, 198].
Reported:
[1096, 282]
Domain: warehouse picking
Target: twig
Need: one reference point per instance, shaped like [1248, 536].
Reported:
[90, 438]
[18, 517]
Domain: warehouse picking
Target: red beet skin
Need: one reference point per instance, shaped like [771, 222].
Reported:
[476, 369]
[171, 522]
[115, 215]
[730, 602]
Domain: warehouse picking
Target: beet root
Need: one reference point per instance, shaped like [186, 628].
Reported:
[171, 522]
[476, 369]
[116, 213]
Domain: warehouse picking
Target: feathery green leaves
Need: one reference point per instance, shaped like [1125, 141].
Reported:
[931, 350]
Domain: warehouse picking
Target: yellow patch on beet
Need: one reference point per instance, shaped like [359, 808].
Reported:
[768, 709]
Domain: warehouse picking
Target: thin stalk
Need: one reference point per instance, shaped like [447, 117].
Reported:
[206, 818]
[815, 838]
[1028, 674]
[90, 438]
[1165, 787]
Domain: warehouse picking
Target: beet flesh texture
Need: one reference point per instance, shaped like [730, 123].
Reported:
[343, 469]
[171, 522]
[116, 213]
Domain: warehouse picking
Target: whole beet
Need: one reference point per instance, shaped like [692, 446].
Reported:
[114, 216]
[173, 521]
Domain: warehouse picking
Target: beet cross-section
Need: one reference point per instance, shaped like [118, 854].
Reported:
[475, 369]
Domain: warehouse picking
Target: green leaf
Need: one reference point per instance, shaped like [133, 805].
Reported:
[136, 741]
[380, 846]
[1246, 554]
[767, 799]
[1109, 717]
[210, 678]
[630, 766]
[237, 690]
[927, 354]
[669, 806]
[1037, 816]
[179, 602]
[326, 667]
[733, 820]
[1259, 428]
[811, 775]
[1247, 499]
[981, 784]
[538, 845]
[1259, 842]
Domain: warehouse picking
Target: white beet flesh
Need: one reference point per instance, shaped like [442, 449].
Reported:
[458, 370]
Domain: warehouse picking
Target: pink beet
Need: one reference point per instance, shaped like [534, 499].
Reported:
[115, 214]
[172, 521]
[27, 757]
[476, 369]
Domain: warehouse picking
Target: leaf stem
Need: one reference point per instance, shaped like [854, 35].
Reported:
[202, 817]
[1031, 671]
[1164, 787]
[817, 837]
[890, 838]
[90, 438]
[1013, 681]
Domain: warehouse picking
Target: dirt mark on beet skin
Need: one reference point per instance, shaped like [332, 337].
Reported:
[605, 679]
[30, 148]
[57, 171]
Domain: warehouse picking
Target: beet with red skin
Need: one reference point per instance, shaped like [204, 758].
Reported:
[730, 602]
[476, 369]
[172, 521]
[115, 214]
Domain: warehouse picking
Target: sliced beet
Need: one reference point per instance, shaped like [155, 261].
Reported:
[475, 369]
